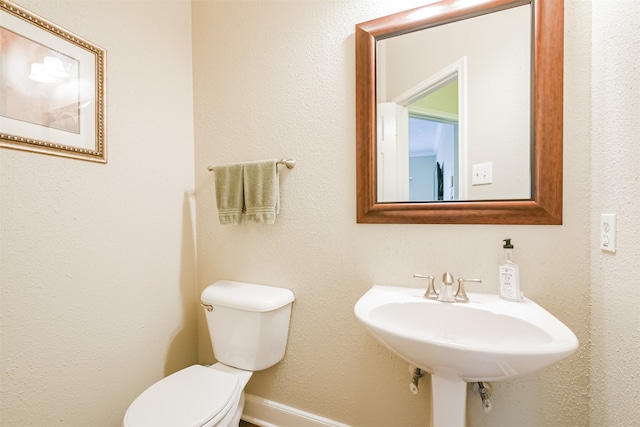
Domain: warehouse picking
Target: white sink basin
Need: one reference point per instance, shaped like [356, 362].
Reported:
[487, 339]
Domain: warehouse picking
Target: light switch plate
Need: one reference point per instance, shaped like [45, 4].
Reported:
[482, 173]
[608, 232]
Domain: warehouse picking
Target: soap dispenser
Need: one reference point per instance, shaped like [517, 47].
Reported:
[510, 276]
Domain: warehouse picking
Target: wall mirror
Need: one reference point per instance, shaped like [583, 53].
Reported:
[459, 114]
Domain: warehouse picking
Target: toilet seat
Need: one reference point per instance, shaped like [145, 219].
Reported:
[192, 397]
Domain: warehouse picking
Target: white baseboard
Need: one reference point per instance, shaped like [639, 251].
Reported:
[267, 413]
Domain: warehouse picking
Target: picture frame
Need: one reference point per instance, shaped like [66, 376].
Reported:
[52, 88]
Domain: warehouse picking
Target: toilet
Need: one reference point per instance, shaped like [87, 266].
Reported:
[248, 326]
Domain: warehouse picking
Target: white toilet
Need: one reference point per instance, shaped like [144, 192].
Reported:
[248, 325]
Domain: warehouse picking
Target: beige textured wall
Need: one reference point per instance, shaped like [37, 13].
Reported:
[97, 262]
[615, 160]
[276, 79]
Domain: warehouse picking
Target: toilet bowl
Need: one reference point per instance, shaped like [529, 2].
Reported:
[195, 396]
[248, 325]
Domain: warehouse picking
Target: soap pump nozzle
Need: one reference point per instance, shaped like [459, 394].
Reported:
[508, 248]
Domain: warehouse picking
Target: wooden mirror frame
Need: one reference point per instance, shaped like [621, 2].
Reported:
[545, 206]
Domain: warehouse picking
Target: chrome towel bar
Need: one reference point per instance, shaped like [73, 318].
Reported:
[289, 163]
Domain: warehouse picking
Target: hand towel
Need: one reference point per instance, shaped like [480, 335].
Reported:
[229, 193]
[261, 192]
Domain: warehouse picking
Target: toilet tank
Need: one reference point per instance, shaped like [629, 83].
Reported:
[248, 323]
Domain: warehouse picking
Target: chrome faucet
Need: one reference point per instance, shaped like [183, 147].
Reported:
[446, 289]
[446, 293]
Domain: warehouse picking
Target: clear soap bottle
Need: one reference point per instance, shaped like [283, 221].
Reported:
[510, 276]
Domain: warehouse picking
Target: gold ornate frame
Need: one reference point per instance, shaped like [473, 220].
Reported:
[57, 106]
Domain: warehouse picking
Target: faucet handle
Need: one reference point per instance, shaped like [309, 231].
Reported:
[461, 295]
[431, 292]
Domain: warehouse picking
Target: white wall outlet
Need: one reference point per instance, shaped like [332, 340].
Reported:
[482, 173]
[608, 232]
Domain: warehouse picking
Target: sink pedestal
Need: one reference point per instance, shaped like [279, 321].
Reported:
[448, 400]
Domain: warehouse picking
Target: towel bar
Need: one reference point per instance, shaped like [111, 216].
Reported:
[289, 163]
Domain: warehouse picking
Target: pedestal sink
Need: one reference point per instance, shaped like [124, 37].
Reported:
[487, 339]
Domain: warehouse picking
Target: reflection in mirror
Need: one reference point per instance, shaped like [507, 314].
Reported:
[493, 111]
[417, 75]
[422, 126]
[433, 145]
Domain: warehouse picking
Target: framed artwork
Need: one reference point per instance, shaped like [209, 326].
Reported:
[52, 88]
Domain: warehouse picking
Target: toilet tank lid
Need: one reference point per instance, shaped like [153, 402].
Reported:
[247, 296]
